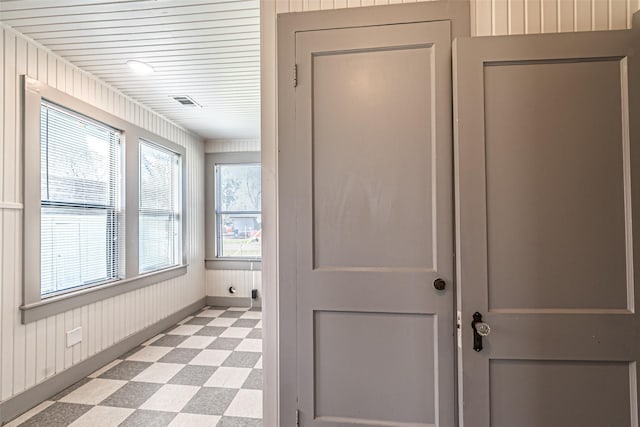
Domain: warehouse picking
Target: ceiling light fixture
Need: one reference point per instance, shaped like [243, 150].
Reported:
[140, 67]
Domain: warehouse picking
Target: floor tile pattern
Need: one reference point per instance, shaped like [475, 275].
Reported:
[204, 371]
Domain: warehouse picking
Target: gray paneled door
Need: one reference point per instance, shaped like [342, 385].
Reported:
[548, 194]
[374, 226]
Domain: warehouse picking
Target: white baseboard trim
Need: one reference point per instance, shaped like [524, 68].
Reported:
[21, 403]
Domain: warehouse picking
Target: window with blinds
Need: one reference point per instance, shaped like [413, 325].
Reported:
[81, 210]
[160, 240]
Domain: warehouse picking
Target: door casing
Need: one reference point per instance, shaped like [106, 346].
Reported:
[288, 25]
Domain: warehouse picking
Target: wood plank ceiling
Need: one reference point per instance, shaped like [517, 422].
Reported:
[208, 50]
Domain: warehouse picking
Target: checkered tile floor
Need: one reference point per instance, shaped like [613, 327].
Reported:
[205, 371]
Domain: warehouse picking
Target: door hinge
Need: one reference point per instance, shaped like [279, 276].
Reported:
[295, 75]
[297, 417]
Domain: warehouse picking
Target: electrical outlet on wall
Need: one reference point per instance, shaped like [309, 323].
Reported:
[74, 336]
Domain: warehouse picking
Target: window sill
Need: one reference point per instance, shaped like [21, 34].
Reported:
[233, 264]
[59, 304]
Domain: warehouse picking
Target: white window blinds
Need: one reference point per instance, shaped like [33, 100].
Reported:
[81, 217]
[160, 208]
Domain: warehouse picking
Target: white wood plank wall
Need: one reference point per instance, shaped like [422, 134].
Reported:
[501, 17]
[231, 145]
[218, 281]
[284, 6]
[31, 353]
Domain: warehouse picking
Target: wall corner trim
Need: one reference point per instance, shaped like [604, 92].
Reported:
[19, 404]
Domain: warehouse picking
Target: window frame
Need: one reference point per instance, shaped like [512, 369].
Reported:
[113, 210]
[34, 307]
[212, 260]
[179, 214]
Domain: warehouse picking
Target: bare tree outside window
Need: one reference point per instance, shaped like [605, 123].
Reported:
[238, 210]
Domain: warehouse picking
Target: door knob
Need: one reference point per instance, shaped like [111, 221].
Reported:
[480, 329]
[439, 284]
[483, 329]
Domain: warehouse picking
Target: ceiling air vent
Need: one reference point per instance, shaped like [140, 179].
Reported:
[186, 100]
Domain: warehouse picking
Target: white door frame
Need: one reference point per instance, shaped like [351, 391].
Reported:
[277, 61]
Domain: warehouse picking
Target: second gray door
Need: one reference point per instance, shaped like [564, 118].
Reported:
[548, 167]
[374, 226]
